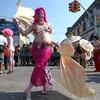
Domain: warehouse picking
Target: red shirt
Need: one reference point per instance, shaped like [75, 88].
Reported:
[5, 52]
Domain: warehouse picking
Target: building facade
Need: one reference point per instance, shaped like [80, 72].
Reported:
[88, 24]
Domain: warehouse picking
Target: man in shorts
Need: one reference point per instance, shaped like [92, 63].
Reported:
[3, 43]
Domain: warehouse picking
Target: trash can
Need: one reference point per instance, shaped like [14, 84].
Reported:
[97, 61]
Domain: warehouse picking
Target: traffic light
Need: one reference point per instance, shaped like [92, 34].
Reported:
[78, 6]
[74, 6]
[71, 7]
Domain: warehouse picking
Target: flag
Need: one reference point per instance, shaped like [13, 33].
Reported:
[18, 3]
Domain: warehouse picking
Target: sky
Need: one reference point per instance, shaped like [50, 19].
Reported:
[57, 12]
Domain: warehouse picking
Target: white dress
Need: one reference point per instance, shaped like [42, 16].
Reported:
[11, 46]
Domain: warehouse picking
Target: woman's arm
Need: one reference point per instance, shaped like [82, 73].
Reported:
[26, 32]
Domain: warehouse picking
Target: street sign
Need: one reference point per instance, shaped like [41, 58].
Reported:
[11, 25]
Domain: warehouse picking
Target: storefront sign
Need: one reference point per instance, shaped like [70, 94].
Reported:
[11, 25]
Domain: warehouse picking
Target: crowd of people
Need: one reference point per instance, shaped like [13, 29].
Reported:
[87, 57]
[23, 56]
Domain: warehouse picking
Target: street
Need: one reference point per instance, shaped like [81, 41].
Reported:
[12, 85]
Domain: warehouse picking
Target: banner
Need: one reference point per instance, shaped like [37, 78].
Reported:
[11, 25]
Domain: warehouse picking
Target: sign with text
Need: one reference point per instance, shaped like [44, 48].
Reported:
[11, 25]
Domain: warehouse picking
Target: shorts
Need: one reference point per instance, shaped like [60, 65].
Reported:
[1, 58]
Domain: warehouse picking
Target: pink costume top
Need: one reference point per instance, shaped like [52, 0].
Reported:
[43, 37]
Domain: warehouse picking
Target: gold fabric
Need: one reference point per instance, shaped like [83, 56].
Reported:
[24, 17]
[72, 73]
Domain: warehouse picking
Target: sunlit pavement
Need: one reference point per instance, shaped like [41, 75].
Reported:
[12, 85]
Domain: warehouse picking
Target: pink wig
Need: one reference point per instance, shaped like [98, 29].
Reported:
[8, 32]
[36, 13]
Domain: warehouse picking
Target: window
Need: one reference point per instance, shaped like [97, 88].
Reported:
[92, 21]
[84, 26]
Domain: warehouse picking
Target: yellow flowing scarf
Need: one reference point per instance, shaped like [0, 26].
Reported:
[72, 73]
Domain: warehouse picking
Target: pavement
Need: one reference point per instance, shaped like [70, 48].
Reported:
[12, 85]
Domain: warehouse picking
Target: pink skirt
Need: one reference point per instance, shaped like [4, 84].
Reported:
[40, 57]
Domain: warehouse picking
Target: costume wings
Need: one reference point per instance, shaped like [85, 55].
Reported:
[24, 17]
[72, 73]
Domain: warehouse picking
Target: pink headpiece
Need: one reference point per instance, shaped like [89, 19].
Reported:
[8, 32]
[36, 13]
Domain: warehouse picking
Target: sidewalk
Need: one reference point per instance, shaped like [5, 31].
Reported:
[12, 85]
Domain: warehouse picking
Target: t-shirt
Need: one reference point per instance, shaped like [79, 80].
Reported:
[3, 40]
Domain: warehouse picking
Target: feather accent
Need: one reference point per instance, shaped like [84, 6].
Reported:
[24, 17]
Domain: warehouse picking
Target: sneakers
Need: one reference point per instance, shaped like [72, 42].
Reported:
[44, 92]
[0, 72]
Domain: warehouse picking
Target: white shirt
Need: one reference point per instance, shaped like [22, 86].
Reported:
[3, 40]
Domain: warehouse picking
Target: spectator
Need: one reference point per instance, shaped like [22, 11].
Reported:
[6, 57]
[55, 57]
[9, 33]
[96, 53]
[3, 43]
[17, 55]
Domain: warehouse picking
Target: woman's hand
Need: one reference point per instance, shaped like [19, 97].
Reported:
[48, 30]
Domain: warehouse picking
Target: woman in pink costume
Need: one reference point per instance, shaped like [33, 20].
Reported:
[41, 51]
[9, 33]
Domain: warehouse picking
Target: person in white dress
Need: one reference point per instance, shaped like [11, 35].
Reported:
[9, 33]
